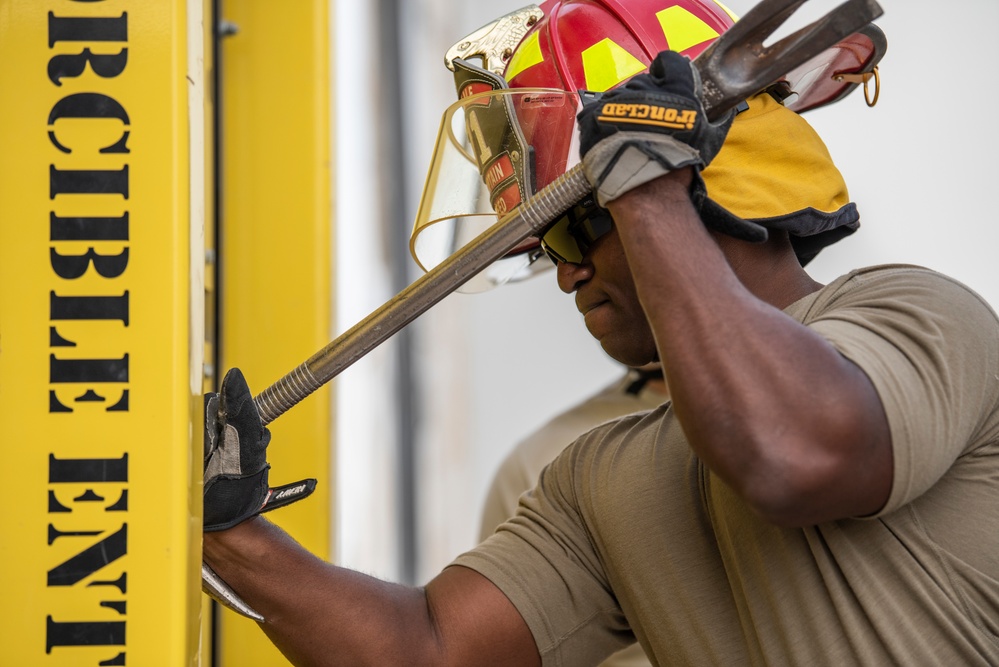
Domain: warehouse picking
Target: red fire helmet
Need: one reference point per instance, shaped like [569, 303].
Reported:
[594, 45]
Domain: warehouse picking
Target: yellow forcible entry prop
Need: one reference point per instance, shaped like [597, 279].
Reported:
[735, 66]
[100, 326]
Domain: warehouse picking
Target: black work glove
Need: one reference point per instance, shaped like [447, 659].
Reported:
[236, 459]
[653, 125]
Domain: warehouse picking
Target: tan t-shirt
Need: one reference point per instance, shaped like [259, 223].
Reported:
[627, 531]
[520, 469]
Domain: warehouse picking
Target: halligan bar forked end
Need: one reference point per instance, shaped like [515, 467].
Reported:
[217, 589]
[739, 63]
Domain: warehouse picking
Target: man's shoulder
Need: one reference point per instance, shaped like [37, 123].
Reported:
[900, 277]
[894, 286]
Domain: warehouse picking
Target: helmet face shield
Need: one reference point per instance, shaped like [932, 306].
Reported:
[535, 59]
[494, 149]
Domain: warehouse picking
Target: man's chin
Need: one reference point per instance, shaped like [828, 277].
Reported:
[625, 354]
[630, 349]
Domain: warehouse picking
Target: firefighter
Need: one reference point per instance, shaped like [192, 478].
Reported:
[822, 487]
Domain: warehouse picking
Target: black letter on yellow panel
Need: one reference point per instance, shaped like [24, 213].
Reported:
[89, 561]
[88, 370]
[87, 29]
[88, 229]
[88, 182]
[89, 307]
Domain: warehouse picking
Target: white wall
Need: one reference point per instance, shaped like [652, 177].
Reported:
[494, 366]
[364, 501]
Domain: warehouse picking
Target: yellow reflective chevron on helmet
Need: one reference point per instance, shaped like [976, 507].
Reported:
[528, 54]
[728, 11]
[684, 30]
[606, 64]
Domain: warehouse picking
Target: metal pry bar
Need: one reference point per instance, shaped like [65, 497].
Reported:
[736, 66]
[528, 219]
[212, 584]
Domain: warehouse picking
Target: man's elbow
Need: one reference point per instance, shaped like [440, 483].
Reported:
[796, 493]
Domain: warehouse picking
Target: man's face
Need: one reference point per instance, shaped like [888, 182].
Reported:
[605, 295]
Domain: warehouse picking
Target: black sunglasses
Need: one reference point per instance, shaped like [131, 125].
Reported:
[576, 231]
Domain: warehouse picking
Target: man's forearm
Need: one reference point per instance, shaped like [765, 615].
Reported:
[743, 375]
[317, 613]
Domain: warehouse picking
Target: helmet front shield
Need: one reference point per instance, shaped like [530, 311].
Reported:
[494, 149]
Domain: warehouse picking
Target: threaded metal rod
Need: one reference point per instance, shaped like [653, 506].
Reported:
[531, 218]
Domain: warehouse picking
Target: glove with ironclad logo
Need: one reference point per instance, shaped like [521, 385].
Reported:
[236, 467]
[653, 125]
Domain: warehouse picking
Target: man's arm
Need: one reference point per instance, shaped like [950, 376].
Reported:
[320, 614]
[768, 404]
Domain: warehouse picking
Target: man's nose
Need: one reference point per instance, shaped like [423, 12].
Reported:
[570, 275]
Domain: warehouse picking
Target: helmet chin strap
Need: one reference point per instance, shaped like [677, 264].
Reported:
[642, 376]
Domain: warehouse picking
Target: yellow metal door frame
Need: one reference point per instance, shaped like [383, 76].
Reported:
[275, 234]
[203, 166]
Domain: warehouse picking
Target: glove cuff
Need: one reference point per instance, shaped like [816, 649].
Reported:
[625, 160]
